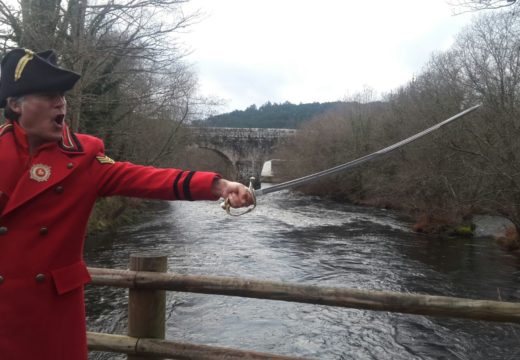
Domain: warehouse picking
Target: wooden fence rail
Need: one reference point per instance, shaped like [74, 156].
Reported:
[333, 296]
[147, 282]
[172, 350]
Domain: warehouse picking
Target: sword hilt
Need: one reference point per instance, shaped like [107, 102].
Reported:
[226, 205]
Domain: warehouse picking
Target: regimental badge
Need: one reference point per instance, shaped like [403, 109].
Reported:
[105, 160]
[40, 172]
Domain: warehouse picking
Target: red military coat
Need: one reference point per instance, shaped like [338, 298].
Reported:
[45, 202]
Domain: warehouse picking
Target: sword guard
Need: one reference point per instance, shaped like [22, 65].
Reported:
[230, 211]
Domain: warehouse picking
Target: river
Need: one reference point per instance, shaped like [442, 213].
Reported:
[308, 240]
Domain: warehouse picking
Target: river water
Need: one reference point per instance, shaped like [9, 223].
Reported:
[308, 240]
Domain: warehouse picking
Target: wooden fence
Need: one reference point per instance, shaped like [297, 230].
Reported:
[147, 282]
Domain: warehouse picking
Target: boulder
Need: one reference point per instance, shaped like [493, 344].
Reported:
[489, 225]
[499, 228]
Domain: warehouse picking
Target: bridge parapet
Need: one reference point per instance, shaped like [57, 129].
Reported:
[260, 133]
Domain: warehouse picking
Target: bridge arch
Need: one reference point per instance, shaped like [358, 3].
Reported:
[246, 148]
[222, 156]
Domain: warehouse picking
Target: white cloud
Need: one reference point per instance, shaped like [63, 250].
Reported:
[254, 51]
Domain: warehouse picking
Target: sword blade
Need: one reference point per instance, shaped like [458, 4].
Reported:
[313, 177]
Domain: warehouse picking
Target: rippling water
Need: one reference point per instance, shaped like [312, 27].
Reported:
[302, 239]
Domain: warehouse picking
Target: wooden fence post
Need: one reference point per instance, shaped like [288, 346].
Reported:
[147, 308]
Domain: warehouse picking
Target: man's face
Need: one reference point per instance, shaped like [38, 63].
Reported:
[42, 116]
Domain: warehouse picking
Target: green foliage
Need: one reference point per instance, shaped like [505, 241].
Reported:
[463, 230]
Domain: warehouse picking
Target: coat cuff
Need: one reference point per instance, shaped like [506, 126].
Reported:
[194, 185]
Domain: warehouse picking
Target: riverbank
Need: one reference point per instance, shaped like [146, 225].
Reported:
[449, 223]
[498, 228]
[111, 213]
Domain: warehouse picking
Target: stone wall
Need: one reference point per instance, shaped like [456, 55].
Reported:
[246, 148]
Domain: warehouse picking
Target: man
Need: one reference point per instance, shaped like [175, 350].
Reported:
[49, 181]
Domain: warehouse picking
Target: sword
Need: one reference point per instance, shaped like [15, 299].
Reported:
[336, 169]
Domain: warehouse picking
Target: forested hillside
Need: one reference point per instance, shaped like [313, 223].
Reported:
[280, 116]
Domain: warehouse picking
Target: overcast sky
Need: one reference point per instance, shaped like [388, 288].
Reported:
[253, 51]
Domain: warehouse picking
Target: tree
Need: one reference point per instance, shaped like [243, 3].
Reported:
[477, 5]
[471, 166]
[489, 56]
[130, 63]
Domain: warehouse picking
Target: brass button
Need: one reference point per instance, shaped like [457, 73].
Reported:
[58, 189]
[39, 278]
[44, 230]
[3, 230]
[70, 165]
[1, 279]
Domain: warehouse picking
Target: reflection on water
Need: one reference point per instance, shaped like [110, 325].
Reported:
[302, 239]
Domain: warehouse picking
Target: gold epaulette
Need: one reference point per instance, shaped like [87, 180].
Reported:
[104, 160]
[5, 128]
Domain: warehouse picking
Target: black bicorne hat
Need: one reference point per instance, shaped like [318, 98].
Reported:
[25, 72]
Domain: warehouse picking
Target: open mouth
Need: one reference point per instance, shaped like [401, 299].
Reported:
[59, 119]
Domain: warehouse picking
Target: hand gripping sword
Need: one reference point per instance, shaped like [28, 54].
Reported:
[336, 169]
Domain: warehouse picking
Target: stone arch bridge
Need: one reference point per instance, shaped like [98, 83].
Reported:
[245, 148]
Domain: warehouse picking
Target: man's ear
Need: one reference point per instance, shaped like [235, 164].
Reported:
[15, 105]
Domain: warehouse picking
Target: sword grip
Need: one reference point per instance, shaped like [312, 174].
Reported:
[226, 205]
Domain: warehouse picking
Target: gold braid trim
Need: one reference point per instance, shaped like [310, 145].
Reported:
[21, 64]
[70, 143]
[4, 128]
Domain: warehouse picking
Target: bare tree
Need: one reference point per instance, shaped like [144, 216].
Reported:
[489, 55]
[132, 67]
[471, 166]
[477, 5]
